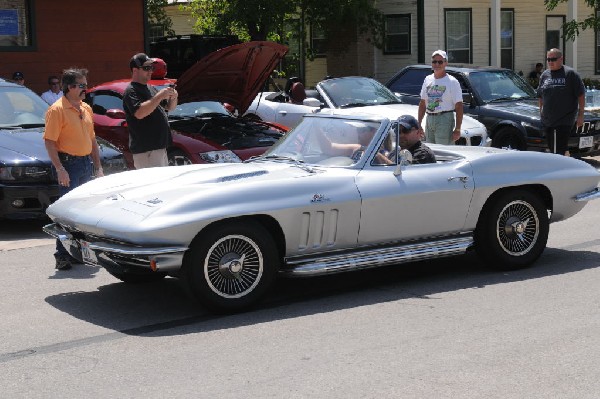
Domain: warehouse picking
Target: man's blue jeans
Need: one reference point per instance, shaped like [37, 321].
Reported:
[80, 171]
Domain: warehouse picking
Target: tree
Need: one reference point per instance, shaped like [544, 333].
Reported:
[158, 16]
[571, 29]
[340, 20]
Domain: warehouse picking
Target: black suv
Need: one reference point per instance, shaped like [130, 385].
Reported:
[504, 102]
[182, 51]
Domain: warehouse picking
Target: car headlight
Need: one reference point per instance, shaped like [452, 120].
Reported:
[225, 156]
[21, 173]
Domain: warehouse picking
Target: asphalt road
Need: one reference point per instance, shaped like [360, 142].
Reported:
[441, 329]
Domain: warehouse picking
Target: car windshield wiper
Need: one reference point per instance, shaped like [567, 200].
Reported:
[505, 99]
[31, 125]
[296, 162]
[349, 105]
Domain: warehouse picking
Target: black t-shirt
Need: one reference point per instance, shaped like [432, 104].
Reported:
[560, 91]
[149, 133]
[421, 153]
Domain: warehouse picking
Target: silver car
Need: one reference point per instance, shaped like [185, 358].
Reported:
[303, 209]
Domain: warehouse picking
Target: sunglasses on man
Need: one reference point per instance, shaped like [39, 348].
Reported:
[80, 85]
[147, 68]
[552, 59]
[439, 62]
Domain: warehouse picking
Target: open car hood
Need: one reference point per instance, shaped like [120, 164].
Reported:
[233, 74]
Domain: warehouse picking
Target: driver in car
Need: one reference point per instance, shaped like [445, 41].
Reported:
[410, 140]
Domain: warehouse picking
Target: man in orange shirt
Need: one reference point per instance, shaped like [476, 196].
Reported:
[70, 141]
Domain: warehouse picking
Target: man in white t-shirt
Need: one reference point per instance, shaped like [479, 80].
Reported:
[55, 91]
[441, 97]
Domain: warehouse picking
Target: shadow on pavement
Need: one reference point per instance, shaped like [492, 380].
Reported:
[162, 309]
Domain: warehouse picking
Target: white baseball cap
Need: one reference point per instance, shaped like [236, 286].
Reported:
[441, 53]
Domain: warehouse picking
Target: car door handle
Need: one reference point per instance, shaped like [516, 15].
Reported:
[283, 113]
[463, 179]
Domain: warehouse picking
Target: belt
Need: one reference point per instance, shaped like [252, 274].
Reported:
[439, 113]
[64, 157]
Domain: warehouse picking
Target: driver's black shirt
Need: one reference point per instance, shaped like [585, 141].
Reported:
[421, 153]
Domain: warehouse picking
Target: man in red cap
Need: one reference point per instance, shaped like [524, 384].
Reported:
[146, 114]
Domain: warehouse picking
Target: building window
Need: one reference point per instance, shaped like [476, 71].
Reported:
[397, 34]
[507, 38]
[554, 37]
[16, 30]
[155, 31]
[317, 40]
[458, 35]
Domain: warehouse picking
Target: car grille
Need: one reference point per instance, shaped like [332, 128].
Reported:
[473, 141]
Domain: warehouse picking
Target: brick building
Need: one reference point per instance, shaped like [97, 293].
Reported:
[43, 37]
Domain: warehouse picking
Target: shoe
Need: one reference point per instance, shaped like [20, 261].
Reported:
[62, 264]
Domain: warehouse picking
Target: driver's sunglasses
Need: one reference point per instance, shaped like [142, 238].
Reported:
[80, 85]
[147, 68]
[439, 62]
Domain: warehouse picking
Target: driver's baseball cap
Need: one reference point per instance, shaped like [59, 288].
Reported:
[441, 53]
[408, 122]
[139, 60]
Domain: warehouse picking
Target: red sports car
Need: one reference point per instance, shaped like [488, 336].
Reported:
[204, 131]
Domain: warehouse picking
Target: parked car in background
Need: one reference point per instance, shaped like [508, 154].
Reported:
[305, 208]
[27, 184]
[504, 102]
[348, 95]
[204, 131]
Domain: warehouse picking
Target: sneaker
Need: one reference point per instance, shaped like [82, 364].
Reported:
[63, 264]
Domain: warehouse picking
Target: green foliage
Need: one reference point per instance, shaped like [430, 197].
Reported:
[157, 15]
[573, 28]
[273, 19]
[591, 83]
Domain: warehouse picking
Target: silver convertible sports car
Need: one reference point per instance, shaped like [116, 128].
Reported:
[336, 194]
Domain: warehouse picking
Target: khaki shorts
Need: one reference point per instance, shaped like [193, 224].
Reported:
[151, 159]
[439, 128]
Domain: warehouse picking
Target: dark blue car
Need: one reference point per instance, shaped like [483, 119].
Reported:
[27, 184]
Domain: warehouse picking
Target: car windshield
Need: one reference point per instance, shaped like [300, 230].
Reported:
[199, 109]
[357, 92]
[495, 86]
[21, 108]
[326, 141]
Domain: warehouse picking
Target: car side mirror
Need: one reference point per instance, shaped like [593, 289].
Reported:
[311, 102]
[405, 158]
[467, 98]
[115, 114]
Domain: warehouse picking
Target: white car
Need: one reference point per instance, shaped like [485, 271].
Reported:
[351, 95]
[307, 208]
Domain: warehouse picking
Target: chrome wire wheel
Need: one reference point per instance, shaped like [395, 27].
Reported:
[517, 228]
[233, 266]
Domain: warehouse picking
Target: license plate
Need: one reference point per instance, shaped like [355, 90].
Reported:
[87, 254]
[586, 142]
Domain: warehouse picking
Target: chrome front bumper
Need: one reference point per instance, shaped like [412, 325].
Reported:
[118, 255]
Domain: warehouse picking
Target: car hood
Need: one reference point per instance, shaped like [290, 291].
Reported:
[140, 193]
[528, 108]
[233, 74]
[394, 111]
[22, 146]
